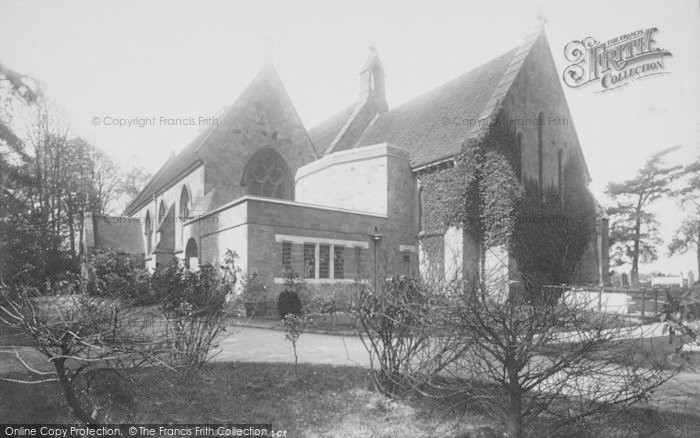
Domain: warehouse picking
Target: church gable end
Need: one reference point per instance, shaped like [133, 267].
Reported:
[263, 118]
[537, 111]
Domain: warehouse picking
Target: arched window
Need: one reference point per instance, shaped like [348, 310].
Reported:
[518, 157]
[161, 212]
[540, 150]
[191, 254]
[184, 211]
[148, 232]
[184, 204]
[267, 175]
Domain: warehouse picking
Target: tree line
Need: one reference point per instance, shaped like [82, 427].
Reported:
[634, 228]
[49, 180]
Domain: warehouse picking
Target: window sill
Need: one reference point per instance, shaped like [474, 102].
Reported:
[279, 280]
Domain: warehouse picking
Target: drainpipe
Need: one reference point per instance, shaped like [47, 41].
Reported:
[376, 238]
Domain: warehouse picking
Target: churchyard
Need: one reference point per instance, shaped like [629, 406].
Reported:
[251, 376]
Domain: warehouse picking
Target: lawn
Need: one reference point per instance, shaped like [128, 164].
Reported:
[321, 402]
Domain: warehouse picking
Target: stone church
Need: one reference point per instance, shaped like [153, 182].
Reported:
[341, 201]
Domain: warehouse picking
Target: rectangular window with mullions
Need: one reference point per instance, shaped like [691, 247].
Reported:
[309, 260]
[287, 255]
[339, 262]
[324, 261]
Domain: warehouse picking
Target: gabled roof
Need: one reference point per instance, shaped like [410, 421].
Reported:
[435, 125]
[196, 153]
[172, 169]
[323, 134]
[343, 130]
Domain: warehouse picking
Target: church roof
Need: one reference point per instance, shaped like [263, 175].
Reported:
[419, 124]
[171, 170]
[435, 125]
[323, 134]
[425, 126]
[196, 152]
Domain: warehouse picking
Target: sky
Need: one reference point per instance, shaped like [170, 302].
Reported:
[104, 61]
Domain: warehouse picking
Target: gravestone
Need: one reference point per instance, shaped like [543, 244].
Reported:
[691, 279]
[625, 281]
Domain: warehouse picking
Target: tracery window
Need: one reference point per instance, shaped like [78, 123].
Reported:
[267, 175]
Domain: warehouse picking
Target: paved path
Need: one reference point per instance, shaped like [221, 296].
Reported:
[245, 344]
[249, 344]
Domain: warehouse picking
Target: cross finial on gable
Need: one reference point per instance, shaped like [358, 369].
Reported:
[541, 20]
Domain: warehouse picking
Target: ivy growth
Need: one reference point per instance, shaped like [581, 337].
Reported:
[546, 230]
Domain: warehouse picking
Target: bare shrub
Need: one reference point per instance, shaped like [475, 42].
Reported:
[540, 359]
[82, 335]
[294, 326]
[195, 308]
[548, 360]
[393, 326]
[79, 334]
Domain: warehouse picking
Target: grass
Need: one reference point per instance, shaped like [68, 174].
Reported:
[323, 402]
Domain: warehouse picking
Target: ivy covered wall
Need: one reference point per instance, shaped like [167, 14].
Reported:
[545, 228]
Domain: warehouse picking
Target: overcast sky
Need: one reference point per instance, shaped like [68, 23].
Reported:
[189, 59]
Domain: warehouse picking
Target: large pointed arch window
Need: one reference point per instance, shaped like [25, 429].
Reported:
[148, 232]
[184, 204]
[161, 212]
[267, 175]
[184, 211]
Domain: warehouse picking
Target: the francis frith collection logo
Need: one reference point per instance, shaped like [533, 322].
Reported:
[616, 62]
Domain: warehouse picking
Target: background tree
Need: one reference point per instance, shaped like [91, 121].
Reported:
[131, 182]
[20, 240]
[633, 232]
[48, 182]
[687, 237]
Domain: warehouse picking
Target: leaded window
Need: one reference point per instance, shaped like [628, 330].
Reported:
[267, 175]
[309, 260]
[324, 261]
[287, 255]
[338, 262]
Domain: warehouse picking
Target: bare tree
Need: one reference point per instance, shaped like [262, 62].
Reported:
[133, 179]
[79, 334]
[556, 359]
[524, 361]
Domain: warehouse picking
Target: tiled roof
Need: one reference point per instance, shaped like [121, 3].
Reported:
[323, 134]
[435, 125]
[173, 168]
[264, 86]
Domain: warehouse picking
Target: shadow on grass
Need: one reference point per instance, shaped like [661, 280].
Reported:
[324, 401]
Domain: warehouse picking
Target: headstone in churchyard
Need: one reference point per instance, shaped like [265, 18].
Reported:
[691, 279]
[625, 281]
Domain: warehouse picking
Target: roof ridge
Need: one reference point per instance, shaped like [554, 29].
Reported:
[505, 83]
[346, 126]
